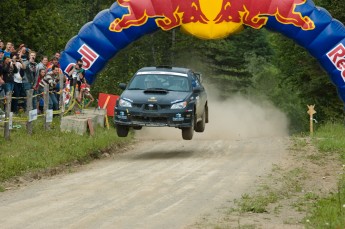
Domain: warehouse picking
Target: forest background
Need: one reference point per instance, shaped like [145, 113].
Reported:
[257, 64]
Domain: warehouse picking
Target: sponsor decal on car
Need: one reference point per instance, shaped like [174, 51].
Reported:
[178, 118]
[152, 99]
[122, 115]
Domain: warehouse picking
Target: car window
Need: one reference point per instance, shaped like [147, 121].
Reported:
[195, 81]
[159, 81]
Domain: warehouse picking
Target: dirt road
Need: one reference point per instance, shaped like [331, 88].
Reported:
[162, 182]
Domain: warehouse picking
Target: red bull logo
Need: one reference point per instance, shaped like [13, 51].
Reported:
[170, 14]
[256, 15]
[337, 57]
[231, 14]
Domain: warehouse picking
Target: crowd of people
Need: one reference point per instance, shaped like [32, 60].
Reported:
[20, 72]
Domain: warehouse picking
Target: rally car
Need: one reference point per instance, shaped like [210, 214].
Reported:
[162, 96]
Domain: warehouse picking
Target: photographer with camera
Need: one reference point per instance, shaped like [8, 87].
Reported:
[52, 78]
[73, 75]
[18, 89]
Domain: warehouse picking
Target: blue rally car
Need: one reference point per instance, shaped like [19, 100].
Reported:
[162, 96]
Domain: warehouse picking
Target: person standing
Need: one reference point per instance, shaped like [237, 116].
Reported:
[1, 56]
[42, 65]
[9, 49]
[74, 73]
[18, 88]
[52, 78]
[38, 89]
[8, 70]
[29, 74]
[2, 45]
[30, 71]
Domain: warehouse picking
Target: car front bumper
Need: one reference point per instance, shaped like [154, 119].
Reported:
[178, 118]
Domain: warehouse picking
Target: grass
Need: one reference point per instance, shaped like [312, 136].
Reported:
[329, 212]
[46, 150]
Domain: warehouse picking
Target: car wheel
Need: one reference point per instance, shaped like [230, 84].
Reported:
[188, 132]
[137, 127]
[200, 126]
[122, 131]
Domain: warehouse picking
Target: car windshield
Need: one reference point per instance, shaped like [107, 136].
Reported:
[159, 82]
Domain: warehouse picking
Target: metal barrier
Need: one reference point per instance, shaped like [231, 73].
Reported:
[30, 112]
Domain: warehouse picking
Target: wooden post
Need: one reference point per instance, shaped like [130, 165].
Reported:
[106, 113]
[311, 112]
[46, 106]
[90, 125]
[29, 94]
[7, 115]
[62, 103]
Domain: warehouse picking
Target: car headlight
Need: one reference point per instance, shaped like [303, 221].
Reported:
[180, 105]
[125, 103]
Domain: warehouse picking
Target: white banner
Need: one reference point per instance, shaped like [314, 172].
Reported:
[32, 115]
[49, 116]
[10, 123]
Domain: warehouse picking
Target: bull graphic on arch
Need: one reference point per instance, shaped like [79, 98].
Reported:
[127, 20]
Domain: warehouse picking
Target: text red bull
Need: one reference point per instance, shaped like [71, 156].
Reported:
[89, 56]
[168, 13]
[337, 57]
[255, 13]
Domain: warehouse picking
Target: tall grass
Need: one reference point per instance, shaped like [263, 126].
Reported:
[48, 149]
[330, 212]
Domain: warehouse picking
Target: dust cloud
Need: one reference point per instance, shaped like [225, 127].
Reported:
[234, 118]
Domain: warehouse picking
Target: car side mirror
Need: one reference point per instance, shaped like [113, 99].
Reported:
[123, 86]
[197, 89]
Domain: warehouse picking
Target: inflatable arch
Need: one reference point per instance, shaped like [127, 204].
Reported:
[125, 21]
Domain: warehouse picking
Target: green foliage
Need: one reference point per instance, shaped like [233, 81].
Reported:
[330, 138]
[302, 75]
[329, 212]
[256, 204]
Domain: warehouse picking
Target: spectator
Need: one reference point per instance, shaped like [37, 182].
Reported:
[57, 55]
[18, 89]
[9, 49]
[54, 61]
[51, 79]
[41, 65]
[39, 88]
[74, 73]
[1, 57]
[23, 52]
[2, 45]
[2, 82]
[84, 90]
[30, 71]
[8, 70]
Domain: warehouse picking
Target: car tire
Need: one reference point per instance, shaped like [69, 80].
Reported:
[122, 131]
[137, 127]
[188, 132]
[200, 126]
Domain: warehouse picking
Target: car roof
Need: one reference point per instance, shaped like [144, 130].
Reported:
[165, 68]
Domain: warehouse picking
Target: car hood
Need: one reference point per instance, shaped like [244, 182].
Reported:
[139, 96]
